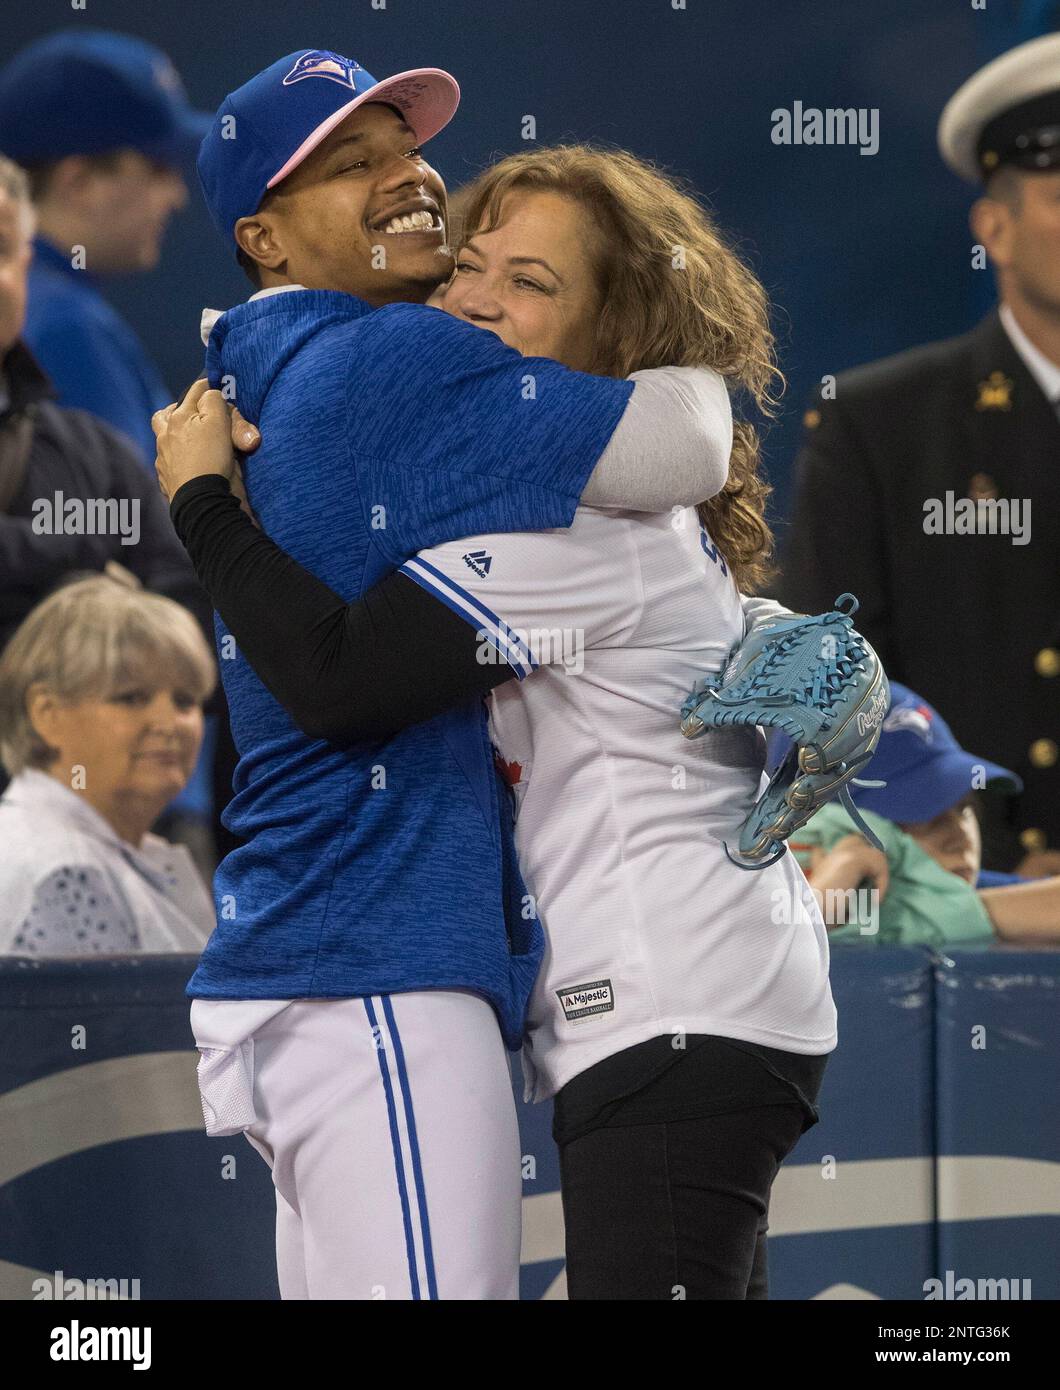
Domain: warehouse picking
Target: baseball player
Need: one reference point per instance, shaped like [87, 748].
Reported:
[682, 1016]
[369, 939]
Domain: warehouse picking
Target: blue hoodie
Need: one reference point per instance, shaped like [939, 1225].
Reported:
[383, 867]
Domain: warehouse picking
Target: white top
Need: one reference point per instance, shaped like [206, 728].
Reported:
[650, 928]
[71, 886]
[1045, 371]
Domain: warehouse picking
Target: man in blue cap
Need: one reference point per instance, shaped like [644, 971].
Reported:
[101, 124]
[52, 458]
[928, 785]
[919, 795]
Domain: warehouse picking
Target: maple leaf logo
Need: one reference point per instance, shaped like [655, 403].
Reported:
[511, 772]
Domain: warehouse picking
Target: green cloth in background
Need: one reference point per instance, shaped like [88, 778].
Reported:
[925, 905]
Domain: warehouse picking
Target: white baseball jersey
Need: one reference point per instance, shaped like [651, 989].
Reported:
[620, 819]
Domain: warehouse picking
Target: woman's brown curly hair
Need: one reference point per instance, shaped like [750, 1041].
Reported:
[674, 293]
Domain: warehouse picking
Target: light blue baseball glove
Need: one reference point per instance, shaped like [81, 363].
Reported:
[821, 683]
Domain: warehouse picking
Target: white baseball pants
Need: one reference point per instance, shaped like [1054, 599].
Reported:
[390, 1127]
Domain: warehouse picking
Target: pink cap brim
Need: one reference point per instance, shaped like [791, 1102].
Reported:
[427, 96]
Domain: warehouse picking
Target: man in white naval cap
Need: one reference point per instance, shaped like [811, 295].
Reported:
[930, 485]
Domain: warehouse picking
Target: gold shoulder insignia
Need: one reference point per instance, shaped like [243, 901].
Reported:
[995, 393]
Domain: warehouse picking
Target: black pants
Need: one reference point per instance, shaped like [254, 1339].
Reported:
[661, 1203]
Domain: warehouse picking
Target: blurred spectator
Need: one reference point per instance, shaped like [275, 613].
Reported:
[55, 461]
[931, 886]
[101, 122]
[101, 693]
[929, 484]
[48, 453]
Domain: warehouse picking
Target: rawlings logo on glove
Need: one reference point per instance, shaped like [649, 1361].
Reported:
[873, 719]
[819, 681]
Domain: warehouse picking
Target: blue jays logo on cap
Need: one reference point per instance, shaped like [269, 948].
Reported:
[167, 77]
[321, 62]
[917, 721]
[927, 773]
[281, 118]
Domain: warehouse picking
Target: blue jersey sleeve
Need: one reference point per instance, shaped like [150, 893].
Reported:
[458, 434]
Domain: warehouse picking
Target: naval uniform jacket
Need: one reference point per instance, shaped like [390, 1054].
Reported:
[971, 622]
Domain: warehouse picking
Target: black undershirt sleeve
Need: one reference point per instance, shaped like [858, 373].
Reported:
[344, 672]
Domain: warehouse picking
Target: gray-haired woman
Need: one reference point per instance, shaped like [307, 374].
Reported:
[101, 693]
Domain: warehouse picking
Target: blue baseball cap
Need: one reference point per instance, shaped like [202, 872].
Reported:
[925, 768]
[90, 91]
[263, 131]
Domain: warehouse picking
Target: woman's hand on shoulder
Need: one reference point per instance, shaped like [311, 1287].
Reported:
[197, 436]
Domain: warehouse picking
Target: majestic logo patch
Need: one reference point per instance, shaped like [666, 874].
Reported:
[322, 63]
[479, 561]
[582, 1001]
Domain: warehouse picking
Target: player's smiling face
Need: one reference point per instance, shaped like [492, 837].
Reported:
[364, 213]
[532, 279]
